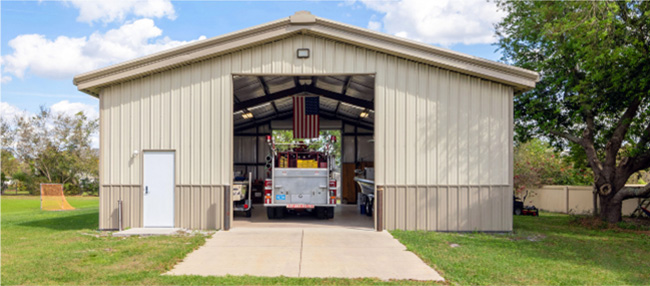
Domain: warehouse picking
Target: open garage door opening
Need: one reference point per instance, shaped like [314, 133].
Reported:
[303, 150]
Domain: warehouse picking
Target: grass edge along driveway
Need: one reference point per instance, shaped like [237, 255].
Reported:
[40, 247]
[553, 249]
[65, 248]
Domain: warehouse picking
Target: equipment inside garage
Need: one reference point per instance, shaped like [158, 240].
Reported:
[316, 182]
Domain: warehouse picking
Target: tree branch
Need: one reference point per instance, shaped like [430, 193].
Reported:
[622, 126]
[567, 136]
[587, 143]
[632, 192]
[638, 163]
[645, 137]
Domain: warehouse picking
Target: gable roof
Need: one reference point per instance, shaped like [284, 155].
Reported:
[306, 23]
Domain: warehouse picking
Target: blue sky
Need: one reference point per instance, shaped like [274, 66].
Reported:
[46, 43]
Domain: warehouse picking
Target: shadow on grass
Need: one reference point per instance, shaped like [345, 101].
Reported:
[602, 251]
[67, 221]
[545, 250]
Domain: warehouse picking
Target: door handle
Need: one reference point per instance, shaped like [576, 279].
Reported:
[146, 189]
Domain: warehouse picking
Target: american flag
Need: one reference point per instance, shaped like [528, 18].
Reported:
[306, 122]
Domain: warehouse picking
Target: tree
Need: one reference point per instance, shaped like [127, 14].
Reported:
[286, 136]
[594, 92]
[56, 147]
[537, 164]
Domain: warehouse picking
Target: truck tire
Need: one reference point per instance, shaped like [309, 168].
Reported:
[248, 213]
[369, 207]
[330, 212]
[270, 212]
[279, 212]
[321, 213]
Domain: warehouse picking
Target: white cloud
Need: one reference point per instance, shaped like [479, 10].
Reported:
[374, 25]
[116, 10]
[5, 79]
[64, 57]
[444, 22]
[9, 112]
[72, 108]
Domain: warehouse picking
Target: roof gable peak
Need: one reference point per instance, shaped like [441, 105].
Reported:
[303, 22]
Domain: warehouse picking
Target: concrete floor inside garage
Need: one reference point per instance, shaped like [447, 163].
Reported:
[345, 216]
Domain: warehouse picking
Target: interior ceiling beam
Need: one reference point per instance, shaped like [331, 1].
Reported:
[289, 114]
[263, 120]
[346, 85]
[347, 120]
[340, 97]
[296, 81]
[344, 90]
[303, 88]
[265, 87]
[234, 96]
[271, 97]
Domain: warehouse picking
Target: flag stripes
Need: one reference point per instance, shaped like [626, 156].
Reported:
[306, 122]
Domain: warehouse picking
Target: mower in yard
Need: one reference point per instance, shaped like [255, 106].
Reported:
[518, 207]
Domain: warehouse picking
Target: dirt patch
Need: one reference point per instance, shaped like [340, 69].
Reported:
[532, 238]
[638, 221]
[632, 225]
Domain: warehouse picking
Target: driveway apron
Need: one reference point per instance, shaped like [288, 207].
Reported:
[305, 252]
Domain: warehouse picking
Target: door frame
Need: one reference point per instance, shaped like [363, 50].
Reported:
[378, 223]
[142, 184]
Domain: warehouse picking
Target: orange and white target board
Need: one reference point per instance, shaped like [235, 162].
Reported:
[53, 199]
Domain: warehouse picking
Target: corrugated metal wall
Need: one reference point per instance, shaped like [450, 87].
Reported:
[439, 135]
[250, 150]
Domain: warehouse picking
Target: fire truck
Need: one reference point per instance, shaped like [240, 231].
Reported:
[299, 180]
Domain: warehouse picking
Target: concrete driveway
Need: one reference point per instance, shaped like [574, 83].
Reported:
[305, 252]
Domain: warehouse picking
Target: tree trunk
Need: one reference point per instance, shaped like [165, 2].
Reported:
[610, 209]
[610, 204]
[595, 199]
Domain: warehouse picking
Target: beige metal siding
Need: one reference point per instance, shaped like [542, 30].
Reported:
[442, 139]
[177, 110]
[131, 197]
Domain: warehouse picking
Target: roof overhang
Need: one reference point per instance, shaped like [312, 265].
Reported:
[305, 23]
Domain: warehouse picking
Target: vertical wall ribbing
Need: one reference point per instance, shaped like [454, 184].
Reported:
[443, 140]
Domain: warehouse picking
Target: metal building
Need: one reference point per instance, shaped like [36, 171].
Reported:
[441, 122]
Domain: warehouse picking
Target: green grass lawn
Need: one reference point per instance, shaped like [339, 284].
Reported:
[65, 248]
[552, 249]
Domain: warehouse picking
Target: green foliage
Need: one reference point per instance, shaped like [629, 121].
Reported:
[47, 147]
[25, 182]
[594, 93]
[593, 58]
[537, 163]
[3, 180]
[286, 136]
[90, 186]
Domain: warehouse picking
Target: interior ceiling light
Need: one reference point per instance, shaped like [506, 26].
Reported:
[247, 115]
[364, 114]
[304, 81]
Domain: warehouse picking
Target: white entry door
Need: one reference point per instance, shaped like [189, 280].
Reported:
[158, 190]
